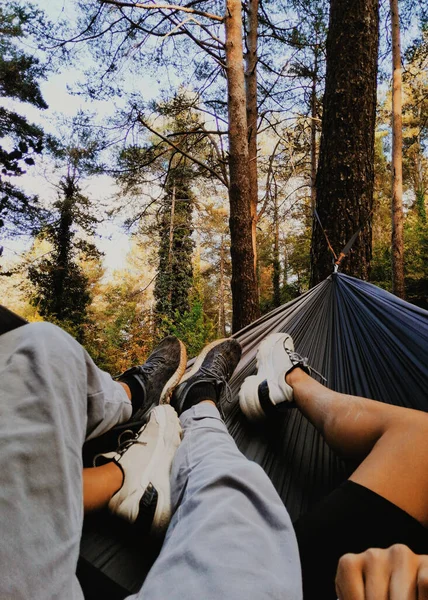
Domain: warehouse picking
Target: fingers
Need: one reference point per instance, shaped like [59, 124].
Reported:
[395, 573]
[422, 581]
[404, 572]
[376, 574]
[349, 577]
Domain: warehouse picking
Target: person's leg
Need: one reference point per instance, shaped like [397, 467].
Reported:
[391, 441]
[230, 535]
[52, 397]
[384, 502]
[99, 485]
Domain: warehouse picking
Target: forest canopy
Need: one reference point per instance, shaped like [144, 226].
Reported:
[238, 147]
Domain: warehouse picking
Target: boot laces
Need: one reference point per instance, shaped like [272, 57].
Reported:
[218, 373]
[152, 365]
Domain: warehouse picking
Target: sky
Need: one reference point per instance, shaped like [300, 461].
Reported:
[57, 90]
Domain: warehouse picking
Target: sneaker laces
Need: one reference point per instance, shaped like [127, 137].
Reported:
[124, 444]
[297, 360]
[216, 372]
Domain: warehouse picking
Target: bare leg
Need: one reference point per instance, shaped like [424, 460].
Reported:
[391, 441]
[99, 485]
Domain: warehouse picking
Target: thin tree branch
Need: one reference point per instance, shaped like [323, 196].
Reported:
[164, 7]
[220, 158]
[189, 156]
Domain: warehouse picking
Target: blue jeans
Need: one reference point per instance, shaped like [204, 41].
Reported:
[230, 535]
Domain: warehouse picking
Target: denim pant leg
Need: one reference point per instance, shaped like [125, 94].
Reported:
[230, 536]
[52, 397]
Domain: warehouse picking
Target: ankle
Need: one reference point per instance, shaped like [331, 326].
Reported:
[200, 392]
[126, 388]
[208, 402]
[100, 484]
[295, 376]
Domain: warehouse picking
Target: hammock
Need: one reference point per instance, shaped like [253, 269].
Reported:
[364, 340]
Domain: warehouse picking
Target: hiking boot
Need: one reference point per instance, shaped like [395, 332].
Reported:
[153, 382]
[209, 376]
[145, 459]
[260, 394]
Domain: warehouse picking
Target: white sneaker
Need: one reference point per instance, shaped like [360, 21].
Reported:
[145, 459]
[260, 393]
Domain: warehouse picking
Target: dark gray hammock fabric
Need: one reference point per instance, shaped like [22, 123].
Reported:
[364, 340]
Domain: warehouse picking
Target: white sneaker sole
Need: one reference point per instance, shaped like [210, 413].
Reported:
[249, 398]
[249, 393]
[159, 475]
[157, 472]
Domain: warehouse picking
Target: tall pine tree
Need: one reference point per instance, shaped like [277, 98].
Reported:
[20, 140]
[61, 289]
[175, 275]
[345, 176]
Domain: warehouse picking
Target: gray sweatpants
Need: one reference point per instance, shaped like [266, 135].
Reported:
[230, 536]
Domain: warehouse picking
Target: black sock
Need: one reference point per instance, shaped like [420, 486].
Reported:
[137, 392]
[197, 393]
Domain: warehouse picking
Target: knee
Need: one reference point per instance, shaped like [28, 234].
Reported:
[49, 338]
[44, 331]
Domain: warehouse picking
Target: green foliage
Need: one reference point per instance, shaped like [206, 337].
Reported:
[191, 327]
[416, 254]
[19, 76]
[119, 332]
[381, 267]
[60, 287]
[174, 276]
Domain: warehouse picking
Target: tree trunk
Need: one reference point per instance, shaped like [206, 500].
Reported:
[171, 241]
[276, 272]
[252, 114]
[63, 250]
[314, 136]
[244, 287]
[221, 311]
[345, 176]
[397, 158]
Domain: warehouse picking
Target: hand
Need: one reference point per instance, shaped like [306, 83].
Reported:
[392, 574]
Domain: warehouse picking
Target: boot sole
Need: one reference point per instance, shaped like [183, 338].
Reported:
[175, 379]
[200, 359]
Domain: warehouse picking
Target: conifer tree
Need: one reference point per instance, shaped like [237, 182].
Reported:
[345, 176]
[19, 80]
[61, 289]
[175, 276]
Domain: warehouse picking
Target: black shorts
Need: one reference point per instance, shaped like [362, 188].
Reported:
[350, 519]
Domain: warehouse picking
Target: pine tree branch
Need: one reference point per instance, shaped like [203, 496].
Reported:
[177, 7]
[220, 157]
[183, 152]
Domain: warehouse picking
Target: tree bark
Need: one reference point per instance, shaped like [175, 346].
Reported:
[345, 176]
[276, 271]
[252, 114]
[244, 287]
[63, 250]
[221, 300]
[314, 136]
[397, 158]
